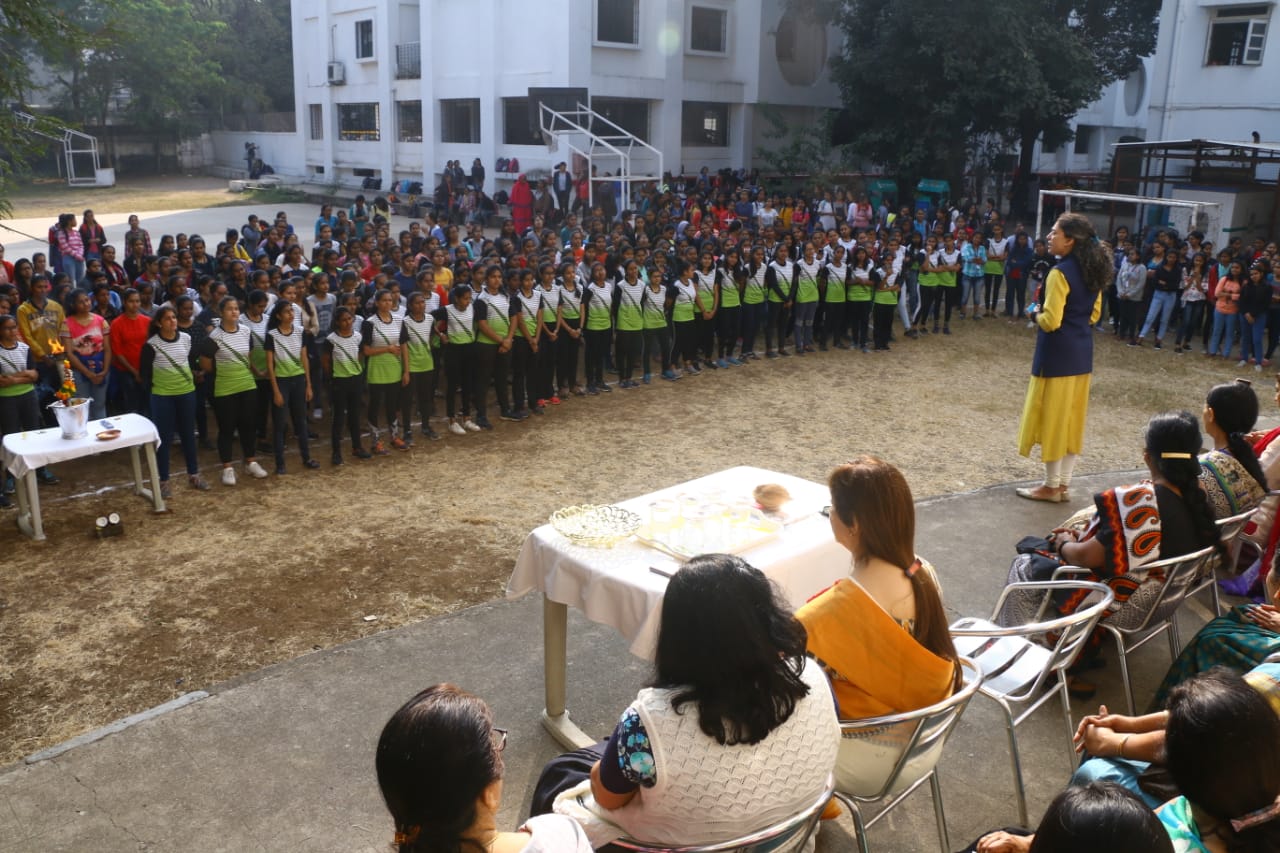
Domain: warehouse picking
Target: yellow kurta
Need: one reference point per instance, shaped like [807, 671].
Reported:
[1053, 414]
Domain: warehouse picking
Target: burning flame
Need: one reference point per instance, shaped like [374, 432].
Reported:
[55, 347]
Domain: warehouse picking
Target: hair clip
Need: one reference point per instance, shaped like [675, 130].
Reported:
[1252, 819]
[913, 568]
[1242, 381]
[1175, 456]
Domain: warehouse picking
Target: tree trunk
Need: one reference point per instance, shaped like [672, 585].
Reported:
[1018, 200]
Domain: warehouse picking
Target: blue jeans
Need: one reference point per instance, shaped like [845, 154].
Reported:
[175, 413]
[97, 394]
[1224, 326]
[970, 287]
[1192, 314]
[804, 314]
[1162, 304]
[1251, 337]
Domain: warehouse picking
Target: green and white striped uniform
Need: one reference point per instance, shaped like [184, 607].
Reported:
[498, 315]
[572, 301]
[460, 326]
[171, 371]
[15, 361]
[807, 281]
[755, 290]
[682, 301]
[345, 355]
[706, 286]
[630, 311]
[417, 337]
[550, 302]
[232, 359]
[258, 329]
[384, 368]
[286, 351]
[835, 282]
[530, 310]
[947, 279]
[653, 304]
[784, 272]
[860, 287]
[599, 306]
[729, 296]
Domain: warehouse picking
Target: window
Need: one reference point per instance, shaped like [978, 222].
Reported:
[705, 125]
[618, 21]
[364, 39]
[1237, 36]
[515, 123]
[708, 30]
[358, 123]
[409, 121]
[1084, 133]
[628, 114]
[317, 121]
[460, 120]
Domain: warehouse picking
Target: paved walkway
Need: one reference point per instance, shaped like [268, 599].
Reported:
[282, 759]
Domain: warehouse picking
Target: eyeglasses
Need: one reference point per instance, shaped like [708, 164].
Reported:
[500, 738]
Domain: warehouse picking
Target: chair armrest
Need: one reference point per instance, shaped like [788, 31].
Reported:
[1070, 572]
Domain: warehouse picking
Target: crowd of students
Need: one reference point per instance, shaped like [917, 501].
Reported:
[269, 325]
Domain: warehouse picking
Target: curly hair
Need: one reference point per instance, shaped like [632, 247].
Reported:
[1093, 255]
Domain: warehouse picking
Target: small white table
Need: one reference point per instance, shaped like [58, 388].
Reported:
[615, 586]
[25, 452]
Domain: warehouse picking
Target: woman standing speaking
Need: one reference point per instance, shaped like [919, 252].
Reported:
[1057, 401]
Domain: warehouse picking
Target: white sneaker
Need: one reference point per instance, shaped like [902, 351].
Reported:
[256, 470]
[317, 414]
[228, 476]
[471, 426]
[1241, 363]
[456, 428]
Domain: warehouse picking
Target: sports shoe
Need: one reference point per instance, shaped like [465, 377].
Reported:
[361, 453]
[431, 434]
[198, 483]
[670, 375]
[946, 330]
[228, 476]
[399, 444]
[166, 490]
[520, 415]
[604, 388]
[783, 352]
[592, 392]
[770, 354]
[647, 378]
[714, 365]
[256, 470]
[280, 472]
[555, 400]
[720, 362]
[456, 428]
[735, 361]
[317, 413]
[310, 464]
[509, 415]
[1242, 363]
[542, 403]
[483, 423]
[470, 425]
[380, 449]
[689, 371]
[336, 460]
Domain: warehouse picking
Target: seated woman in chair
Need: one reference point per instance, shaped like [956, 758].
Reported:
[881, 634]
[439, 764]
[1230, 474]
[737, 731]
[1131, 527]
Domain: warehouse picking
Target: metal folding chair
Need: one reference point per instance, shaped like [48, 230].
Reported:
[1149, 611]
[1019, 663]
[783, 837]
[1229, 531]
[909, 744]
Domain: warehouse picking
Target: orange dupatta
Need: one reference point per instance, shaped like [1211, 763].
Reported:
[876, 667]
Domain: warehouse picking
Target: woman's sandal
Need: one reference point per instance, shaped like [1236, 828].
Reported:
[1049, 494]
[1080, 689]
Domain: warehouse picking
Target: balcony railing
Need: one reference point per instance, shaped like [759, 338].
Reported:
[409, 61]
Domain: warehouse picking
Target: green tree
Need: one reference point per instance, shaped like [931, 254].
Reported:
[259, 29]
[25, 25]
[924, 82]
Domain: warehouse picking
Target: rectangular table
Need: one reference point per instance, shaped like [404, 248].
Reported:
[25, 452]
[615, 587]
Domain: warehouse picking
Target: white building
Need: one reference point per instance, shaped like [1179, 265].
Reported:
[1215, 75]
[393, 89]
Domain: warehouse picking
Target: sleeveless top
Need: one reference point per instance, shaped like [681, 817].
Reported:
[1068, 350]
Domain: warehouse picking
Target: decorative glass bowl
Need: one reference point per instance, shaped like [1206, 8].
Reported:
[594, 526]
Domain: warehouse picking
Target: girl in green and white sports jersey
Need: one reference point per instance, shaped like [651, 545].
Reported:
[166, 367]
[228, 353]
[289, 369]
[343, 364]
[655, 303]
[524, 385]
[833, 279]
[419, 380]
[754, 312]
[569, 331]
[255, 320]
[628, 294]
[380, 344]
[684, 298]
[547, 335]
[729, 314]
[804, 295]
[597, 309]
[706, 280]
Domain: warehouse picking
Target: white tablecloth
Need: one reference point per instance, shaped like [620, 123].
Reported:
[615, 587]
[26, 451]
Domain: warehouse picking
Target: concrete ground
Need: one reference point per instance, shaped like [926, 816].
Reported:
[282, 759]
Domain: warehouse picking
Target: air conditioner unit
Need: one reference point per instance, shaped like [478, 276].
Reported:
[337, 74]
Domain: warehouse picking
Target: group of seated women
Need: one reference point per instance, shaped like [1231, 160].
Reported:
[739, 727]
